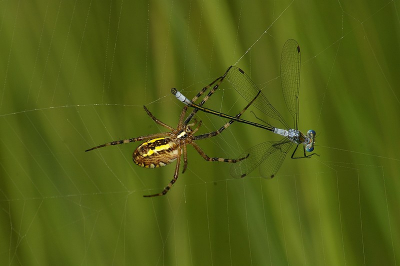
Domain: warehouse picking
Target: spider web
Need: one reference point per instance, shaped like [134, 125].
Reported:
[75, 75]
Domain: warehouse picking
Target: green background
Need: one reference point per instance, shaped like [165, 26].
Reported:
[75, 74]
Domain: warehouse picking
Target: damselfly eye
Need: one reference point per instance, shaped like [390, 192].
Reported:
[311, 133]
[310, 147]
[311, 140]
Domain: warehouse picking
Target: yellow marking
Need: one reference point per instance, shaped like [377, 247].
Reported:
[157, 149]
[162, 147]
[154, 140]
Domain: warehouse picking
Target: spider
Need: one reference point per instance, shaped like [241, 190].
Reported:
[161, 149]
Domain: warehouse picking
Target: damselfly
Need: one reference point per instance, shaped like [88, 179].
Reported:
[268, 155]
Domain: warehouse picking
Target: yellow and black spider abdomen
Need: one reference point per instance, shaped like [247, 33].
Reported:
[156, 153]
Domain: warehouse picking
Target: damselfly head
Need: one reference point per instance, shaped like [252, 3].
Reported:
[311, 140]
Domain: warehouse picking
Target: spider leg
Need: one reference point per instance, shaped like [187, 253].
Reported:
[181, 117]
[197, 128]
[185, 160]
[176, 174]
[203, 90]
[124, 141]
[219, 131]
[216, 159]
[218, 82]
[156, 120]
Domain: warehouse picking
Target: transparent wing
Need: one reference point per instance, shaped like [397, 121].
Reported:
[270, 167]
[269, 155]
[290, 76]
[248, 90]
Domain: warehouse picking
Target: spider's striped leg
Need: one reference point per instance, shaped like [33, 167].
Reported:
[197, 128]
[181, 117]
[185, 160]
[218, 81]
[176, 174]
[215, 159]
[156, 120]
[203, 90]
[124, 141]
[219, 131]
